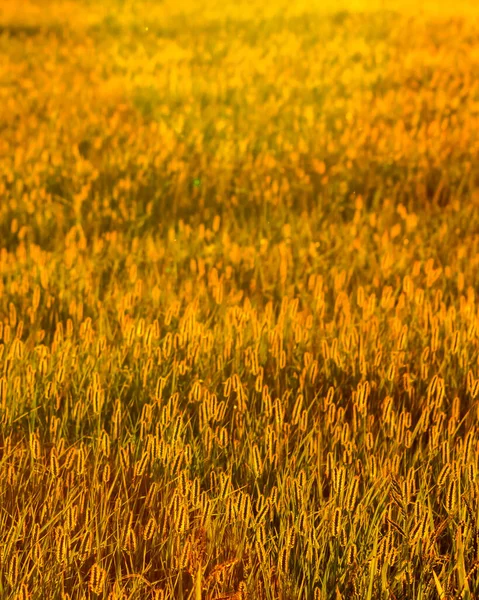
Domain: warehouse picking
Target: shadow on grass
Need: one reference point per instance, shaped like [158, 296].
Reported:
[22, 30]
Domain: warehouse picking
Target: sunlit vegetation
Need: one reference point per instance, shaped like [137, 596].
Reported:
[238, 302]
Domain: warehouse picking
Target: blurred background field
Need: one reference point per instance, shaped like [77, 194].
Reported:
[238, 300]
[81, 12]
[373, 103]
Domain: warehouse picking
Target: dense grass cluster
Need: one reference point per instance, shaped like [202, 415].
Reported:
[238, 303]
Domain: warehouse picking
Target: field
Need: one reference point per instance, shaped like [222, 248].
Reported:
[239, 266]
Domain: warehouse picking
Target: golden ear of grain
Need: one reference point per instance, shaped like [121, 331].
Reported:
[150, 529]
[97, 579]
[336, 522]
[451, 496]
[283, 560]
[86, 545]
[12, 573]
